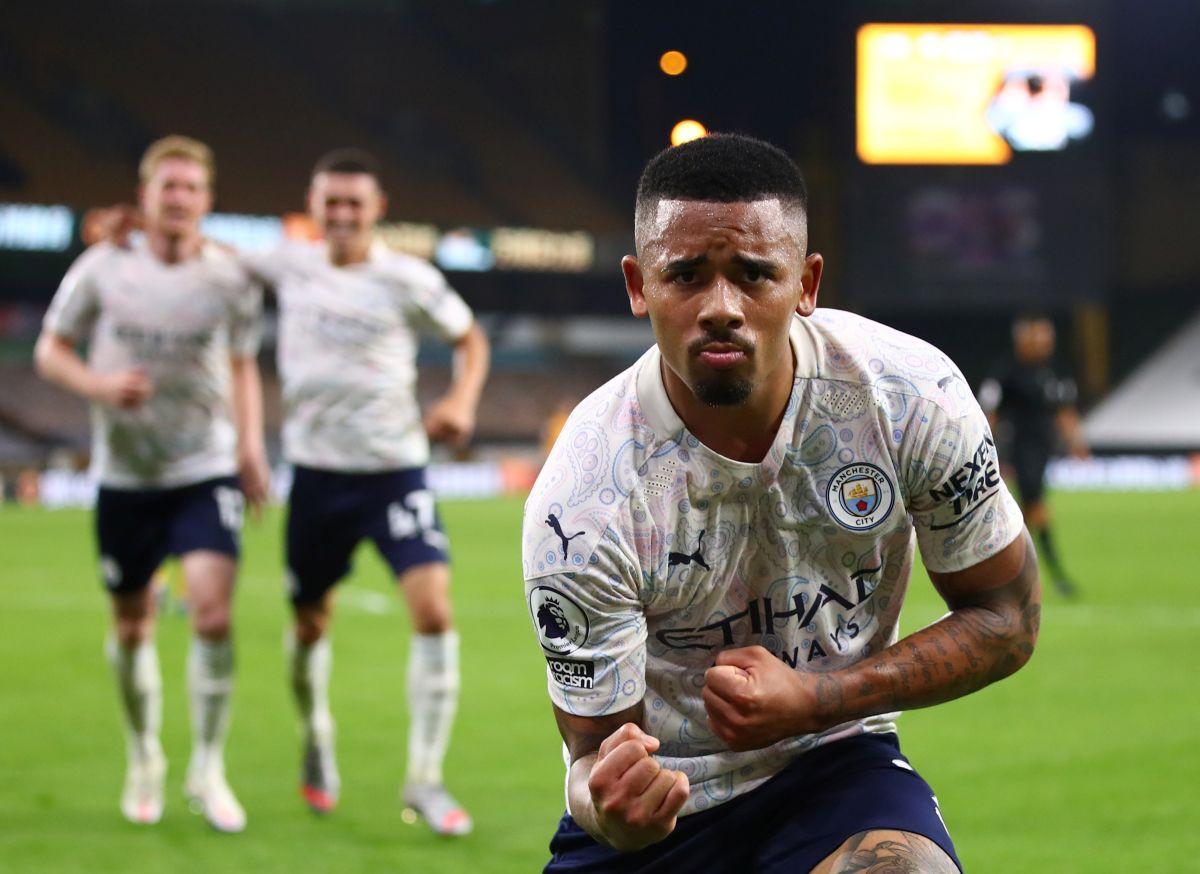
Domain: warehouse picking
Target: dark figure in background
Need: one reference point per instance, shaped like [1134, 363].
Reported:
[1038, 406]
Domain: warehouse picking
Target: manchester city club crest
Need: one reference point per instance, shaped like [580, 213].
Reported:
[860, 496]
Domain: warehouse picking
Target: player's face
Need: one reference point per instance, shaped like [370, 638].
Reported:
[1035, 340]
[720, 282]
[176, 197]
[345, 208]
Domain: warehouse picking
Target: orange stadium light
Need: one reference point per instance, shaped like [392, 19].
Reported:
[673, 63]
[687, 130]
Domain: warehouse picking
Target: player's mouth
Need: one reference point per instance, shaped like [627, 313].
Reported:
[722, 356]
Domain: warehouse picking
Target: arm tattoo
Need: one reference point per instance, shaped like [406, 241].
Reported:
[985, 638]
[910, 854]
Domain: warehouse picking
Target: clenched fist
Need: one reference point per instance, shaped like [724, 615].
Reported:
[125, 390]
[754, 700]
[450, 421]
[636, 799]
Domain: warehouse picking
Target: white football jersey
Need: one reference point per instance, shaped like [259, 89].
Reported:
[348, 340]
[646, 553]
[180, 323]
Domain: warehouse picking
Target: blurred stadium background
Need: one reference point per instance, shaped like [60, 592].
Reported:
[512, 132]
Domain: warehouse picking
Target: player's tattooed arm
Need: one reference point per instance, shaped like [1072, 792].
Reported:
[989, 633]
[618, 792]
[754, 700]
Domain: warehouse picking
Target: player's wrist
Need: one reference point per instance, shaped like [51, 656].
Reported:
[823, 702]
[251, 449]
[92, 385]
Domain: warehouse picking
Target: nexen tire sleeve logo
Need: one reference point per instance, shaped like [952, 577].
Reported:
[562, 626]
[860, 496]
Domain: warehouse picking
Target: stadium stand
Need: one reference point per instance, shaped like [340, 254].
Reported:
[453, 155]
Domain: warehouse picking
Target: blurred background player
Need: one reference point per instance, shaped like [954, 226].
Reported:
[1034, 407]
[173, 327]
[351, 311]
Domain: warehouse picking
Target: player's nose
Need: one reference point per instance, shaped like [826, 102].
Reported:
[721, 306]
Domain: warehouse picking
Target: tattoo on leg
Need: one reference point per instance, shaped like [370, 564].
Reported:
[910, 854]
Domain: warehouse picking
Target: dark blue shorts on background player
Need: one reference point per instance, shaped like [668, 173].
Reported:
[137, 529]
[331, 512]
[788, 824]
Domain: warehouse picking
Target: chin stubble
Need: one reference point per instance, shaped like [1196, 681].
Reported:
[724, 393]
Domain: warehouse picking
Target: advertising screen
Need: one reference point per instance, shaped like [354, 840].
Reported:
[971, 93]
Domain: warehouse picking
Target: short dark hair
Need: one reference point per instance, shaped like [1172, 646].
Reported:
[1028, 317]
[348, 160]
[726, 168]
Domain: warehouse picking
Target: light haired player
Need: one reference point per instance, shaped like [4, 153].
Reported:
[172, 325]
[351, 313]
[718, 547]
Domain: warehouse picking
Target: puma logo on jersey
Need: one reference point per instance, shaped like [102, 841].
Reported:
[684, 558]
[552, 521]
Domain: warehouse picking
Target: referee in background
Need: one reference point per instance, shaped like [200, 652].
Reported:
[1036, 407]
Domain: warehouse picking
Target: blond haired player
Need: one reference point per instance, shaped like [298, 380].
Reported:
[172, 327]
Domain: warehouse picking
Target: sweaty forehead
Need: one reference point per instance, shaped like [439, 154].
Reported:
[673, 225]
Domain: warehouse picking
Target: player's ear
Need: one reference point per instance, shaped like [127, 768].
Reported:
[634, 286]
[810, 283]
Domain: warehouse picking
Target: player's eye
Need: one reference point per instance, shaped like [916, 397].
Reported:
[685, 277]
[756, 275]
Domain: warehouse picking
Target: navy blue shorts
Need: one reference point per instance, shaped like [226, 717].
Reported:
[330, 513]
[136, 529]
[788, 824]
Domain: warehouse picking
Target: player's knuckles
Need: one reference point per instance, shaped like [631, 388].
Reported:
[639, 775]
[615, 739]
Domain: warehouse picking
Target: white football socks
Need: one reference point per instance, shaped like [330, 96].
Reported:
[433, 683]
[139, 682]
[210, 687]
[311, 666]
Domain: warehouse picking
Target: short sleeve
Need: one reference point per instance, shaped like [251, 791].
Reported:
[1066, 392]
[76, 304]
[991, 394]
[245, 324]
[962, 510]
[436, 307]
[592, 632]
[265, 267]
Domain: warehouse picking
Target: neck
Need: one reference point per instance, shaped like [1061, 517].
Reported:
[744, 432]
[173, 249]
[353, 253]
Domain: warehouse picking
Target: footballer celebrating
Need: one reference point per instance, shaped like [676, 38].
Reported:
[717, 549]
[351, 313]
[172, 327]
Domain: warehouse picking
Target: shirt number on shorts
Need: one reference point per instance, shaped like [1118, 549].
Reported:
[231, 507]
[412, 517]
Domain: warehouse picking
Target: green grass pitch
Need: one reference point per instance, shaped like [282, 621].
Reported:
[1085, 761]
